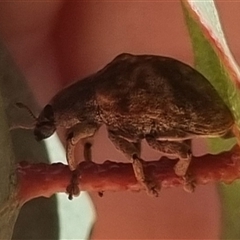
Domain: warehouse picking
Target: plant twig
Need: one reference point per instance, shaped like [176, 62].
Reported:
[41, 179]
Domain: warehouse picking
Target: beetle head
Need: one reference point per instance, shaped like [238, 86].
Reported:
[45, 124]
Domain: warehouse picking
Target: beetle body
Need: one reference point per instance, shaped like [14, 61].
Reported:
[156, 98]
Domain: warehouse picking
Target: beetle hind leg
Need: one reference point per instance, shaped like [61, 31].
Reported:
[132, 151]
[182, 150]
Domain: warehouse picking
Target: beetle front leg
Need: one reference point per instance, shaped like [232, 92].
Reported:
[132, 151]
[75, 134]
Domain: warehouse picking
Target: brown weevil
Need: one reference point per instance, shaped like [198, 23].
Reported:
[155, 98]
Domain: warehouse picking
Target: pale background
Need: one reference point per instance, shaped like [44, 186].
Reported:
[55, 43]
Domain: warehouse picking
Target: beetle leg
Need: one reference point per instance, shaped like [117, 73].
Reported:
[87, 151]
[175, 149]
[75, 134]
[189, 183]
[182, 150]
[73, 189]
[132, 151]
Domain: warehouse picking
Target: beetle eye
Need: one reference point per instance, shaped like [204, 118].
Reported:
[48, 113]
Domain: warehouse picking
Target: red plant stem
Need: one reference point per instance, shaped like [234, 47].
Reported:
[41, 179]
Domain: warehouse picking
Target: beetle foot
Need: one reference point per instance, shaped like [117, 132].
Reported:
[152, 187]
[189, 183]
[73, 189]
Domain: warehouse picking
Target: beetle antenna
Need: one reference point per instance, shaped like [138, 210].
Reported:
[21, 105]
[20, 126]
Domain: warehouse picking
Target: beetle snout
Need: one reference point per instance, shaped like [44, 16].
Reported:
[39, 136]
[43, 131]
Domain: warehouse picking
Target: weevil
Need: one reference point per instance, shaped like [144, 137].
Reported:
[156, 98]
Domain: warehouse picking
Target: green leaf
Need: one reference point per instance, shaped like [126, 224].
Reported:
[230, 200]
[9, 207]
[18, 145]
[210, 64]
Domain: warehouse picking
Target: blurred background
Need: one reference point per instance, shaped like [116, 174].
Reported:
[55, 43]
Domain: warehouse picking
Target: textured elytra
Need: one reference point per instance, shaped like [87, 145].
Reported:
[137, 97]
[140, 95]
[159, 96]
